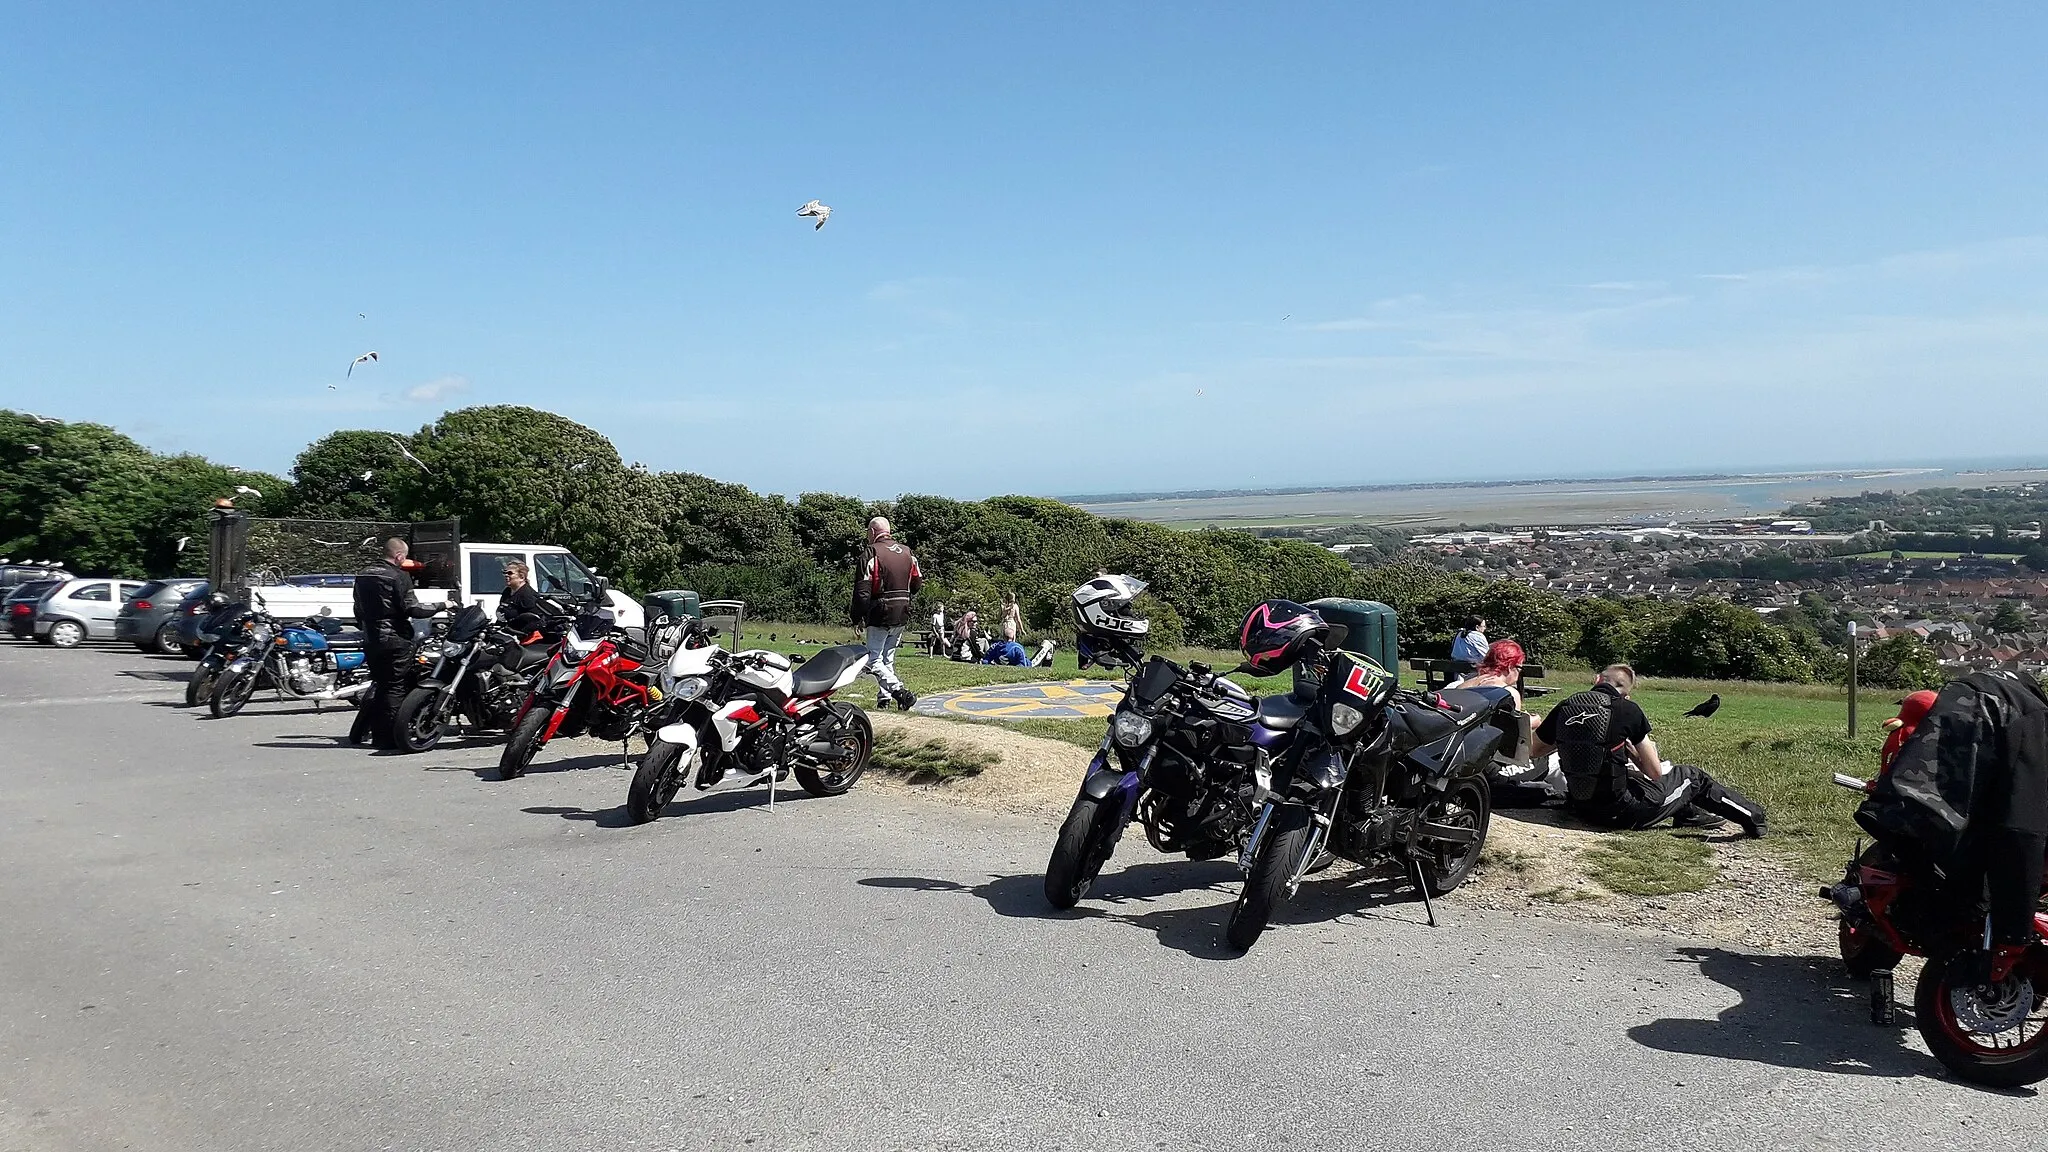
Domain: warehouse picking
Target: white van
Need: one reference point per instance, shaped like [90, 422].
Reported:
[478, 578]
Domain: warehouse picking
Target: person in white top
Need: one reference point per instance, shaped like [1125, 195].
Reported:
[1013, 618]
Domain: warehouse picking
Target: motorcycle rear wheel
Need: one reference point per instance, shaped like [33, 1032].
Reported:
[525, 741]
[199, 689]
[656, 782]
[1966, 1053]
[1266, 888]
[1467, 805]
[419, 724]
[1080, 852]
[851, 732]
[231, 691]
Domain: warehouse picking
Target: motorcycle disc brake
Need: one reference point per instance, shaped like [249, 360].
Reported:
[1989, 1009]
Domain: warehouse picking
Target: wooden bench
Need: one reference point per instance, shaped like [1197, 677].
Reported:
[1436, 673]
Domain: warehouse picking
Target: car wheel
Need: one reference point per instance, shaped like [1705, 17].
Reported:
[168, 641]
[67, 634]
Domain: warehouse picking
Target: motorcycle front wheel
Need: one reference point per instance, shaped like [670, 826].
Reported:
[1081, 850]
[849, 731]
[656, 781]
[199, 689]
[419, 724]
[525, 741]
[1955, 1019]
[232, 690]
[1266, 887]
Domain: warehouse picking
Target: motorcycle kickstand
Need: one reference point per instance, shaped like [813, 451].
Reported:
[1415, 872]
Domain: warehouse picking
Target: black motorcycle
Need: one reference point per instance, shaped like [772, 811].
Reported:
[1374, 775]
[223, 633]
[472, 670]
[1179, 756]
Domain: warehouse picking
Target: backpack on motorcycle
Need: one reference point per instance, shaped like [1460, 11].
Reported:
[1968, 792]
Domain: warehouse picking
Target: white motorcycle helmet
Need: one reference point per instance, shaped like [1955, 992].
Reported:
[1102, 607]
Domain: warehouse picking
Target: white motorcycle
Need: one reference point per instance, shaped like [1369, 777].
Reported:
[756, 714]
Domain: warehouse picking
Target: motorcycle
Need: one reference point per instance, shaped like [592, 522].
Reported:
[1983, 1014]
[1374, 774]
[222, 634]
[300, 661]
[475, 671]
[1186, 743]
[595, 681]
[756, 712]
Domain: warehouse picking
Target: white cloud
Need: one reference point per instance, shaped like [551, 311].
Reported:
[436, 390]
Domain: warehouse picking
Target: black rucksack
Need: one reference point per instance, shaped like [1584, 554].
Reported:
[1975, 766]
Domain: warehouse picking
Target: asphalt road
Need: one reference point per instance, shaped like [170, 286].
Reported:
[243, 934]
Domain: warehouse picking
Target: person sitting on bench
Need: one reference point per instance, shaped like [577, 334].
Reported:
[1498, 676]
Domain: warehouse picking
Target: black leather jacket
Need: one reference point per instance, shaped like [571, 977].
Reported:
[385, 604]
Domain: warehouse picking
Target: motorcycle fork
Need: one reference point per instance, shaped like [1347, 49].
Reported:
[1318, 835]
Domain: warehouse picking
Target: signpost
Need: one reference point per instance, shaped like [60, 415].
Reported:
[1852, 677]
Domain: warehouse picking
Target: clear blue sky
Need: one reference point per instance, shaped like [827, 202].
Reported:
[1080, 248]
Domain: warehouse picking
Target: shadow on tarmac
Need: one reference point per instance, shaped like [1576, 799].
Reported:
[1801, 1012]
[719, 800]
[1197, 931]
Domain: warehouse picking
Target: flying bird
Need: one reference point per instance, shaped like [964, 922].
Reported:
[1707, 708]
[822, 212]
[368, 473]
[35, 449]
[245, 490]
[181, 542]
[330, 543]
[407, 453]
[360, 316]
[365, 358]
[42, 419]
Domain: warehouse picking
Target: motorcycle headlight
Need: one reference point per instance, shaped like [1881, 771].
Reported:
[1344, 719]
[1130, 729]
[687, 688]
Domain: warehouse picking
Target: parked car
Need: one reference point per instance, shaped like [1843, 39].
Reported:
[19, 607]
[149, 620]
[192, 614]
[82, 609]
[15, 573]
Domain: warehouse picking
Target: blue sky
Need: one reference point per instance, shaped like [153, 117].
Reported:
[1074, 248]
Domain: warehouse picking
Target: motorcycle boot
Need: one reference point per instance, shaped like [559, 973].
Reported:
[904, 698]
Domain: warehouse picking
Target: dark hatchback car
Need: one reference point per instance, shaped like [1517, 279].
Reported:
[19, 608]
[150, 620]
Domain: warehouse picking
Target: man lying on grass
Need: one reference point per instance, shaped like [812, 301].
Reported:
[1615, 774]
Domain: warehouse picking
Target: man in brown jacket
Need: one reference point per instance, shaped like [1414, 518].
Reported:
[888, 578]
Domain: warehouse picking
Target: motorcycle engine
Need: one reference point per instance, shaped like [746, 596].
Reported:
[304, 680]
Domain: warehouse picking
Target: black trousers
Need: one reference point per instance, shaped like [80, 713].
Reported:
[387, 690]
[1648, 803]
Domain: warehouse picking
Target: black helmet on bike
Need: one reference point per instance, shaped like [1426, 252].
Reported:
[1278, 633]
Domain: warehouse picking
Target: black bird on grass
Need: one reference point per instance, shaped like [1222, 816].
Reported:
[1708, 708]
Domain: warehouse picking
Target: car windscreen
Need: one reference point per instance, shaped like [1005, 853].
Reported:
[559, 574]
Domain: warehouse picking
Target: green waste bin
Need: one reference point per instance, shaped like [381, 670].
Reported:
[1372, 628]
[673, 604]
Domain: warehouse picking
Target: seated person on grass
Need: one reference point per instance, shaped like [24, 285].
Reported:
[1613, 771]
[1498, 676]
[1006, 652]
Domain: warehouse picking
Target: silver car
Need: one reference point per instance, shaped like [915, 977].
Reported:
[81, 610]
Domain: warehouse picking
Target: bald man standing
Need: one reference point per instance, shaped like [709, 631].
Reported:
[888, 578]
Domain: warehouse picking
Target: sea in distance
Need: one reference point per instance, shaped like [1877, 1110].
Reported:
[1612, 500]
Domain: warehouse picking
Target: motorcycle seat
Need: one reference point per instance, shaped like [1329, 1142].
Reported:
[519, 656]
[1281, 712]
[1464, 705]
[820, 672]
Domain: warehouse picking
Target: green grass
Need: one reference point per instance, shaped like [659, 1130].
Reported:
[1650, 863]
[928, 761]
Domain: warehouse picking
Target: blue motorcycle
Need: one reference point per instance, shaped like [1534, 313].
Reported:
[299, 661]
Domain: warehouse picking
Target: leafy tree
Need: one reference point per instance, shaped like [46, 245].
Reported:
[42, 466]
[1713, 639]
[1900, 661]
[350, 475]
[2007, 617]
[129, 521]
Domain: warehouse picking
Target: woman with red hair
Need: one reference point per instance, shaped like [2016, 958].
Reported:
[1499, 676]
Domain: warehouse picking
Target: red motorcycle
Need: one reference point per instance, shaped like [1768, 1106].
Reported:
[1982, 1011]
[594, 683]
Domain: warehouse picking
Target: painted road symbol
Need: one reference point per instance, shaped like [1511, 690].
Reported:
[1066, 700]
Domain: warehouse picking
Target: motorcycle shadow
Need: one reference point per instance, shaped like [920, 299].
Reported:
[706, 804]
[1801, 1012]
[538, 767]
[1118, 897]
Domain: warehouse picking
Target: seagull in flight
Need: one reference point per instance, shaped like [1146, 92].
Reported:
[365, 358]
[367, 473]
[54, 420]
[245, 490]
[407, 453]
[181, 542]
[813, 208]
[35, 449]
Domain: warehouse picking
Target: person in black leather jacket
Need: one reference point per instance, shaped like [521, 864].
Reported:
[385, 609]
[519, 599]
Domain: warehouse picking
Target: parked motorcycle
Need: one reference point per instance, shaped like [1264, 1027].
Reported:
[222, 634]
[754, 712]
[1179, 754]
[1988, 1027]
[1374, 774]
[299, 661]
[475, 671]
[593, 682]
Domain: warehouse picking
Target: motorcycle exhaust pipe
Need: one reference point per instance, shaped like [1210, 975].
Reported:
[827, 751]
[345, 693]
